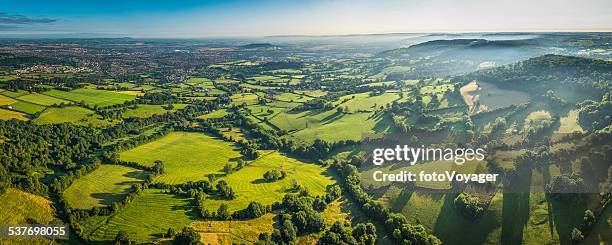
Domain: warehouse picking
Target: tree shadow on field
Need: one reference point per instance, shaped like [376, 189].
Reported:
[108, 198]
[382, 124]
[453, 228]
[515, 211]
[135, 174]
[331, 118]
[401, 200]
[258, 181]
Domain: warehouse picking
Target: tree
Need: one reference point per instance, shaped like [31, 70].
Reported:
[589, 218]
[223, 212]
[365, 233]
[285, 234]
[228, 169]
[122, 238]
[576, 235]
[468, 205]
[170, 233]
[272, 175]
[188, 236]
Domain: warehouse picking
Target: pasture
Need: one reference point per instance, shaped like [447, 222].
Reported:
[72, 114]
[331, 125]
[145, 219]
[103, 186]
[365, 102]
[8, 115]
[233, 231]
[92, 97]
[187, 156]
[144, 111]
[215, 114]
[26, 107]
[18, 207]
[249, 185]
[42, 99]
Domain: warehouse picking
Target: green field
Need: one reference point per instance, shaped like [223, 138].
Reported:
[6, 100]
[144, 111]
[14, 94]
[215, 114]
[102, 187]
[27, 107]
[72, 114]
[92, 97]
[364, 101]
[18, 207]
[233, 231]
[186, 156]
[42, 99]
[330, 125]
[249, 185]
[8, 115]
[145, 219]
[246, 98]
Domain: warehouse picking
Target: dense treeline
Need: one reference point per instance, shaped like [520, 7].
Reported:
[402, 231]
[592, 75]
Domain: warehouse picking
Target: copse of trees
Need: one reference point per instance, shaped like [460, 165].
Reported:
[274, 175]
[469, 206]
[224, 190]
[187, 236]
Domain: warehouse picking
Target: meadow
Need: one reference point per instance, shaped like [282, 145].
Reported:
[249, 185]
[144, 111]
[365, 102]
[92, 97]
[233, 231]
[142, 218]
[215, 114]
[102, 187]
[8, 115]
[26, 107]
[42, 99]
[186, 156]
[72, 114]
[18, 207]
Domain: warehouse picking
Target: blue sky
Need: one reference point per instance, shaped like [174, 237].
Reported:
[156, 18]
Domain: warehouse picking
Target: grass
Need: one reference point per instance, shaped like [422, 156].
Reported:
[489, 97]
[14, 94]
[392, 69]
[186, 156]
[72, 114]
[27, 107]
[291, 97]
[144, 111]
[42, 99]
[233, 231]
[102, 187]
[6, 100]
[145, 219]
[215, 114]
[248, 98]
[569, 123]
[92, 97]
[18, 207]
[331, 126]
[364, 101]
[249, 185]
[8, 115]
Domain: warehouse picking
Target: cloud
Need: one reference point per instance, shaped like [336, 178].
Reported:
[23, 20]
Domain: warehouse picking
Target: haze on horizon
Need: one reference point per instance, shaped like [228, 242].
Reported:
[168, 19]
